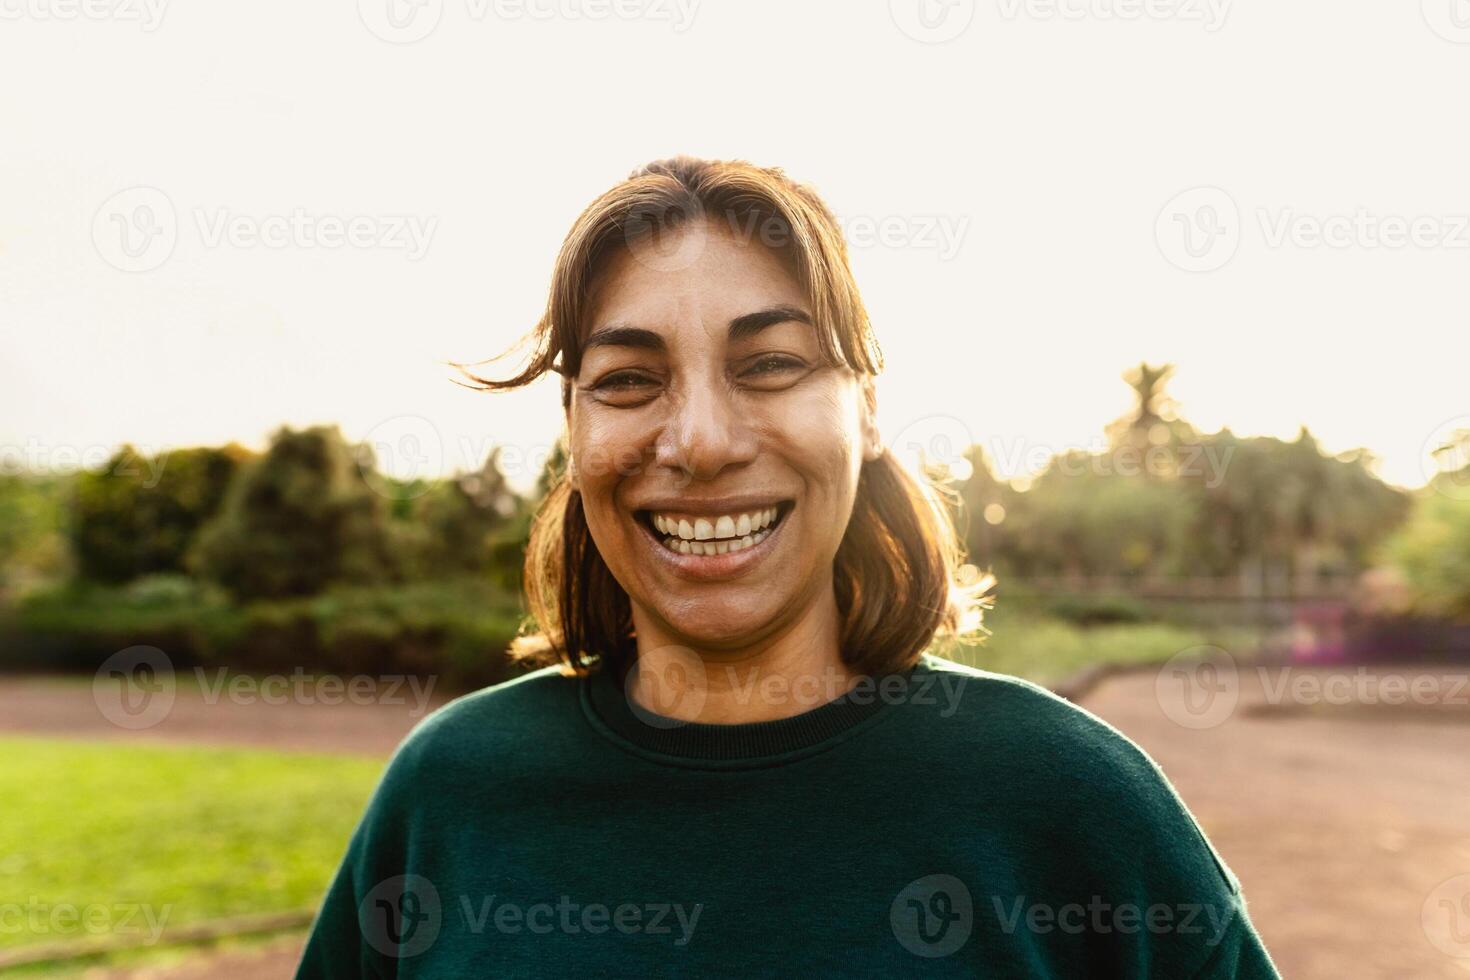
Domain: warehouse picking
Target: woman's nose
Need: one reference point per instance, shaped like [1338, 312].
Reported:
[705, 433]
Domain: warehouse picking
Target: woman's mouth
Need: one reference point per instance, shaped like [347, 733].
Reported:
[713, 534]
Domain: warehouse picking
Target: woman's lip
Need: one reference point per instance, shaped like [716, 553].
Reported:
[710, 567]
[733, 506]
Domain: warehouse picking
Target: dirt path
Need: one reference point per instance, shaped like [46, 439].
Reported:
[308, 718]
[1344, 821]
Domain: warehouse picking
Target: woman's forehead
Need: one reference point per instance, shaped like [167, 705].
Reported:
[711, 291]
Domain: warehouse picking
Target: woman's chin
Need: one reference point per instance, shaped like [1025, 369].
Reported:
[717, 626]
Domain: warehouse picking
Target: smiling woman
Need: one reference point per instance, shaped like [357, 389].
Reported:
[717, 362]
[735, 585]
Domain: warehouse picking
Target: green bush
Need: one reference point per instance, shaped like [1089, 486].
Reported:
[33, 545]
[139, 514]
[1432, 552]
[1098, 610]
[456, 630]
[298, 520]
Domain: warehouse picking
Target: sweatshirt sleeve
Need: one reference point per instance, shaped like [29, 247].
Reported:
[372, 915]
[1170, 865]
[1239, 955]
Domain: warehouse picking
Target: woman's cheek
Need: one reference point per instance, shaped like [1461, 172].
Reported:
[606, 446]
[821, 429]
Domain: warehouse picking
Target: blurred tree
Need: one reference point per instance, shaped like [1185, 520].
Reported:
[1432, 550]
[989, 508]
[1080, 519]
[297, 520]
[1286, 513]
[139, 514]
[33, 544]
[462, 517]
[1165, 500]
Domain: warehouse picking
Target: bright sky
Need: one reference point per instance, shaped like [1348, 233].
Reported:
[326, 215]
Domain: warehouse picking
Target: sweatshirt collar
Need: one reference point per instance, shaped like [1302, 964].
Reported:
[746, 745]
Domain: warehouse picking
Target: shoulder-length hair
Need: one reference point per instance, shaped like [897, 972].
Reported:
[897, 573]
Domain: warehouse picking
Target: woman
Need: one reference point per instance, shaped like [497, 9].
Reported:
[743, 762]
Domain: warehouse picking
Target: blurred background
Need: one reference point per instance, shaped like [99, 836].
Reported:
[1172, 298]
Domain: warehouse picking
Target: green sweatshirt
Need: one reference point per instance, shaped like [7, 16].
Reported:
[945, 822]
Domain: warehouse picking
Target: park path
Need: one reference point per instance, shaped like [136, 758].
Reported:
[1342, 820]
[266, 716]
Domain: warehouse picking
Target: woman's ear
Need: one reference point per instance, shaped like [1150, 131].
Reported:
[872, 438]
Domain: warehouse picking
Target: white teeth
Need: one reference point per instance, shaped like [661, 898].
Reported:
[735, 530]
[722, 547]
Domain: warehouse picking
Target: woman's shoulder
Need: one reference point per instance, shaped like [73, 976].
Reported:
[475, 730]
[1059, 761]
[1014, 722]
[984, 706]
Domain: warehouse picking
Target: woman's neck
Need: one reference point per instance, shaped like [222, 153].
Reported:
[796, 668]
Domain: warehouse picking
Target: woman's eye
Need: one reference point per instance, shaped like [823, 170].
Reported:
[625, 387]
[772, 368]
[622, 381]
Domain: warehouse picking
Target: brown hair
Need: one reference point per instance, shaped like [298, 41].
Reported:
[897, 571]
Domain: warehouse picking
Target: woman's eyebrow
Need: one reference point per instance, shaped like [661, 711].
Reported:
[621, 336]
[751, 324]
[742, 327]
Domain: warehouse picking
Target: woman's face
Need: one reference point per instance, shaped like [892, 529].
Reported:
[716, 452]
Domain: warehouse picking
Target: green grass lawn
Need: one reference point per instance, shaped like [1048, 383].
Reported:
[198, 833]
